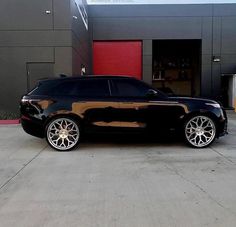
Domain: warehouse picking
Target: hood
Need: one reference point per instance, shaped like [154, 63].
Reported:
[189, 99]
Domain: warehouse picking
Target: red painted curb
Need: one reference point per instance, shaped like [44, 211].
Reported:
[9, 122]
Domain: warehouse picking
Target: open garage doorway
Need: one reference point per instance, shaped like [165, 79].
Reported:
[228, 91]
[177, 66]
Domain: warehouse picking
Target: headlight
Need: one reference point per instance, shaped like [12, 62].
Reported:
[216, 105]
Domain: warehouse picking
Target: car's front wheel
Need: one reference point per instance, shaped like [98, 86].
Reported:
[63, 134]
[200, 131]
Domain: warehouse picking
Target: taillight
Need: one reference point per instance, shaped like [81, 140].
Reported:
[23, 117]
[34, 106]
[29, 106]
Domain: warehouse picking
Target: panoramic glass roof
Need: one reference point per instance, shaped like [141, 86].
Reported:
[159, 1]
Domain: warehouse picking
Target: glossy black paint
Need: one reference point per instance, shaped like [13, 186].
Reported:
[149, 111]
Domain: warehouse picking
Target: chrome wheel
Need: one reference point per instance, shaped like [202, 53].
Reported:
[200, 131]
[63, 134]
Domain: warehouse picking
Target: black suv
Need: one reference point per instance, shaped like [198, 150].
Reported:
[60, 109]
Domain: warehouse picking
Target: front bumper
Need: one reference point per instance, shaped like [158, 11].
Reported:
[223, 125]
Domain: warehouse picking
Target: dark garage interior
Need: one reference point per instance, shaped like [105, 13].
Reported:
[177, 66]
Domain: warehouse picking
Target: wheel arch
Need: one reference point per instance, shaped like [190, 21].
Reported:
[72, 116]
[209, 114]
[200, 112]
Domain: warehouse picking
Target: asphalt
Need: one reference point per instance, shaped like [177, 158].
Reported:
[120, 184]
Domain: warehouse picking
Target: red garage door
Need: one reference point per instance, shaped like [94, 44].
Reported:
[117, 58]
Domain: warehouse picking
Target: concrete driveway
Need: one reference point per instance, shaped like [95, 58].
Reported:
[116, 184]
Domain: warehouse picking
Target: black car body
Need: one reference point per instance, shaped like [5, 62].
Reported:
[60, 109]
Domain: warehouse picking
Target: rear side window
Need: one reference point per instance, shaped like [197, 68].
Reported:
[43, 88]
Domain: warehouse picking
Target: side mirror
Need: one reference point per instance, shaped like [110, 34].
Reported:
[151, 93]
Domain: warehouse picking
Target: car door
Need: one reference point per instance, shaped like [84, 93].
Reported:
[133, 103]
[140, 110]
[95, 104]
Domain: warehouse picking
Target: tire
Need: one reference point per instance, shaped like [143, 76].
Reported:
[63, 134]
[199, 131]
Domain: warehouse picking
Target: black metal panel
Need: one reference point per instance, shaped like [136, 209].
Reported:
[224, 10]
[147, 28]
[216, 80]
[207, 35]
[206, 59]
[26, 15]
[37, 71]
[147, 47]
[62, 14]
[206, 81]
[35, 38]
[216, 36]
[228, 35]
[147, 61]
[13, 77]
[214, 24]
[228, 63]
[38, 31]
[81, 43]
[178, 10]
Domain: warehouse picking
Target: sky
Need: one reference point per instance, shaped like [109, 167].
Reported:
[158, 1]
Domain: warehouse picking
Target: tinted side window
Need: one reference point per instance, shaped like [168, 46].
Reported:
[92, 88]
[83, 88]
[43, 88]
[64, 88]
[130, 88]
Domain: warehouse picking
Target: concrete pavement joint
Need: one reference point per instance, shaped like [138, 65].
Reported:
[21, 169]
[226, 158]
[172, 169]
[199, 187]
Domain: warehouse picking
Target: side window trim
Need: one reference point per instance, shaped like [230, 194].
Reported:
[110, 87]
[113, 88]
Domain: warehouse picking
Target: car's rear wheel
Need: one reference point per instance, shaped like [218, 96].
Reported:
[200, 131]
[63, 134]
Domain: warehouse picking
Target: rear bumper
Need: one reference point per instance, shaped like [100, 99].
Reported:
[32, 127]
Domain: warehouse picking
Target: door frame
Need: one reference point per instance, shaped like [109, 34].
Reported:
[28, 72]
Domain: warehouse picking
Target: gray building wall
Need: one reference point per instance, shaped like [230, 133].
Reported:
[214, 24]
[81, 42]
[29, 35]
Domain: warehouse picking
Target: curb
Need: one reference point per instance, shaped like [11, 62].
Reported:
[10, 122]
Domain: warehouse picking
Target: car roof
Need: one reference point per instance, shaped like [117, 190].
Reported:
[86, 77]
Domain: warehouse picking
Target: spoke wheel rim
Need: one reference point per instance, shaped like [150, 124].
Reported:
[63, 134]
[200, 131]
